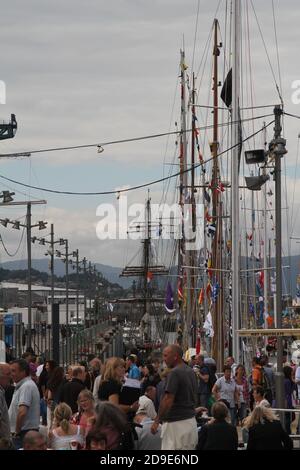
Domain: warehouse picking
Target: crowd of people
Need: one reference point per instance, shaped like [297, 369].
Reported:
[161, 403]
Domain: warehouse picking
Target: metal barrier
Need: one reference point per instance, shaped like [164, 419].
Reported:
[103, 339]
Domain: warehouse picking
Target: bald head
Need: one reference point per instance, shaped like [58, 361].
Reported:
[5, 375]
[34, 440]
[173, 355]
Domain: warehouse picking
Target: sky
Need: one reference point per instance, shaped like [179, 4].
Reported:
[96, 71]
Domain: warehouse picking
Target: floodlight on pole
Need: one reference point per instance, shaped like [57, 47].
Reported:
[4, 222]
[42, 225]
[255, 183]
[16, 225]
[7, 196]
[255, 156]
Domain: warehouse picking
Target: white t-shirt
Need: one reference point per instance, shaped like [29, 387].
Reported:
[146, 406]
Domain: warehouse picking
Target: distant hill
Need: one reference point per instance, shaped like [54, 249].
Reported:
[109, 272]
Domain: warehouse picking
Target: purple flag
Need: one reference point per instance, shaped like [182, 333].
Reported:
[169, 302]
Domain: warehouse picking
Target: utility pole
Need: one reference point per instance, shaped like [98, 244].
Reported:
[90, 288]
[67, 280]
[76, 256]
[84, 287]
[29, 299]
[277, 148]
[52, 263]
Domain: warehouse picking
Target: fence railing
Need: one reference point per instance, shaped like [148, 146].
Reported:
[75, 343]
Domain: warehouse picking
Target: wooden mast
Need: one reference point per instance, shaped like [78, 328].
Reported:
[217, 314]
[194, 226]
[184, 256]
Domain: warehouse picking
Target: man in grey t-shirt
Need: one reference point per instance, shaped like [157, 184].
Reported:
[177, 407]
[24, 410]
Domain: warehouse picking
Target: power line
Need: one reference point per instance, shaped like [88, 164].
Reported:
[123, 141]
[292, 115]
[151, 183]
[19, 246]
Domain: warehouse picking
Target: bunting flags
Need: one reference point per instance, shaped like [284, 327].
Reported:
[215, 292]
[201, 296]
[179, 290]
[208, 289]
[220, 187]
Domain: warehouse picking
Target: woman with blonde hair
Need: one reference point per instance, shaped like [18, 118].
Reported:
[65, 435]
[86, 414]
[111, 383]
[266, 431]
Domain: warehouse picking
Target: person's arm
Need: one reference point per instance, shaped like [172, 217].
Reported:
[114, 398]
[22, 411]
[165, 406]
[215, 391]
[96, 387]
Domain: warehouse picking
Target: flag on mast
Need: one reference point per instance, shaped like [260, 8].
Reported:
[169, 302]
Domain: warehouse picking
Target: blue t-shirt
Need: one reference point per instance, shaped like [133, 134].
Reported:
[134, 372]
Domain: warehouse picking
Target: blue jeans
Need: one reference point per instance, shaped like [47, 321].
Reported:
[233, 414]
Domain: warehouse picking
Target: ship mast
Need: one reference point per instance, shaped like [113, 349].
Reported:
[184, 255]
[217, 314]
[235, 180]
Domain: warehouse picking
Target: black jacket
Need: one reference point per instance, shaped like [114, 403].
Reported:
[269, 436]
[218, 436]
